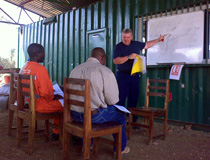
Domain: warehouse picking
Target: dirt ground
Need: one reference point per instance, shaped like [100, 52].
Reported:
[180, 144]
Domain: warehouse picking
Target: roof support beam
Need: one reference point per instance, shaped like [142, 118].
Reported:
[8, 15]
[19, 15]
[12, 23]
[26, 9]
[28, 15]
[24, 3]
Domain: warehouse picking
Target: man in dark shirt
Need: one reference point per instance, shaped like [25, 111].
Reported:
[123, 56]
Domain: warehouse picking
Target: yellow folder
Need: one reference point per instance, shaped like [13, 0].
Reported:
[139, 65]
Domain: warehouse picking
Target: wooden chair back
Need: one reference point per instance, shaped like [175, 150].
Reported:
[26, 91]
[84, 93]
[86, 130]
[13, 87]
[12, 106]
[157, 88]
[26, 95]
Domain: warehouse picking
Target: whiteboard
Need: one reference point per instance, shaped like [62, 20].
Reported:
[184, 40]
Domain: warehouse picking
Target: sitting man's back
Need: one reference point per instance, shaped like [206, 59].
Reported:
[104, 92]
[45, 102]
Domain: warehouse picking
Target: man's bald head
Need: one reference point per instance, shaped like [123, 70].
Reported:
[99, 54]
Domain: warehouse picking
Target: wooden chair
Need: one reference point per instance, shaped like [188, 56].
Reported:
[86, 130]
[26, 90]
[157, 88]
[12, 106]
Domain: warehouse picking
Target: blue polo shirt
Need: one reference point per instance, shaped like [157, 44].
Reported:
[121, 50]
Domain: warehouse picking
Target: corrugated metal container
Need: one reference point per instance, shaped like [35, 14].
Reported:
[67, 45]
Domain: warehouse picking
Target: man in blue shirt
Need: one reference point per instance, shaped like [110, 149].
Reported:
[123, 56]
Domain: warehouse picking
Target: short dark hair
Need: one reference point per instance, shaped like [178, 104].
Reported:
[34, 48]
[127, 30]
[97, 51]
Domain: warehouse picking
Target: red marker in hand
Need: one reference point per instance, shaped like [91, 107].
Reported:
[162, 39]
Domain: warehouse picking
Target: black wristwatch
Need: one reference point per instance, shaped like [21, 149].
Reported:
[128, 57]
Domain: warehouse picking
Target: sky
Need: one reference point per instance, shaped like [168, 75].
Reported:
[9, 32]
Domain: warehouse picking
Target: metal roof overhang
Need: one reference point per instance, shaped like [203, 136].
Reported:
[49, 8]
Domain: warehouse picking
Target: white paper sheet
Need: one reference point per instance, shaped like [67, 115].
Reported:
[58, 91]
[122, 108]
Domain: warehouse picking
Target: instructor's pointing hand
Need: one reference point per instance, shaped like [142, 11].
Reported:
[161, 38]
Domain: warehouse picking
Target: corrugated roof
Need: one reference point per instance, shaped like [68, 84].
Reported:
[49, 8]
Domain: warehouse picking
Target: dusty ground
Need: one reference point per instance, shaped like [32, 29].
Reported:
[180, 144]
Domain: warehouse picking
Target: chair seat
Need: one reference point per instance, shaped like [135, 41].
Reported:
[97, 126]
[40, 116]
[150, 110]
[13, 107]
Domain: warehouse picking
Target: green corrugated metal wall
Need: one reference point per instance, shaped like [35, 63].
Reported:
[65, 46]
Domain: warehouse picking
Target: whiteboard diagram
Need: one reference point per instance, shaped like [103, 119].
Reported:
[184, 41]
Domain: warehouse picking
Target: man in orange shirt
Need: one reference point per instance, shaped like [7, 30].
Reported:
[45, 101]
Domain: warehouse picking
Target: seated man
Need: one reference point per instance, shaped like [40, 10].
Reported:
[46, 102]
[104, 92]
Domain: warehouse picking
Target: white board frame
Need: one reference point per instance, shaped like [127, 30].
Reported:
[186, 29]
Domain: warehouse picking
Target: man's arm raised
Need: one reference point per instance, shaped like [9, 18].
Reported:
[154, 42]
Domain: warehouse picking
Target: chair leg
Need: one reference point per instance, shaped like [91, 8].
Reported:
[151, 127]
[36, 126]
[66, 140]
[31, 136]
[19, 130]
[95, 148]
[11, 115]
[61, 132]
[86, 147]
[165, 126]
[146, 123]
[130, 120]
[47, 130]
[119, 143]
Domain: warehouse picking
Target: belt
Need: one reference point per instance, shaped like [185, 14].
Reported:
[94, 112]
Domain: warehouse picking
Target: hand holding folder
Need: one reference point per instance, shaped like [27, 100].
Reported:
[139, 65]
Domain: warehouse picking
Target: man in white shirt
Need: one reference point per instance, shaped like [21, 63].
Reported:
[104, 92]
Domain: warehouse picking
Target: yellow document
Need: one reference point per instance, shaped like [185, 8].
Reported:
[139, 65]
